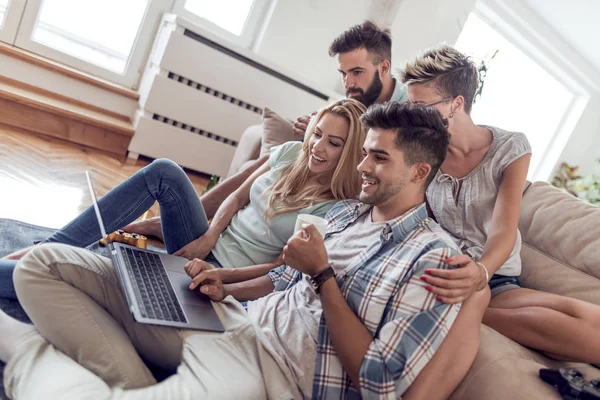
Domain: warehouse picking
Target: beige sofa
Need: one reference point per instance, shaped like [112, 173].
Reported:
[248, 148]
[561, 254]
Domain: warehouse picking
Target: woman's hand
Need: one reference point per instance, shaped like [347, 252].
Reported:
[279, 260]
[455, 285]
[198, 248]
[196, 266]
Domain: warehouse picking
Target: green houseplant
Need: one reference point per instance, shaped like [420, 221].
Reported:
[482, 69]
[585, 187]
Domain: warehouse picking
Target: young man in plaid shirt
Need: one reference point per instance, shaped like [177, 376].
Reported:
[371, 330]
[349, 317]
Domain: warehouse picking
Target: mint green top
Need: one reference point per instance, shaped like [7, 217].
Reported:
[400, 93]
[252, 239]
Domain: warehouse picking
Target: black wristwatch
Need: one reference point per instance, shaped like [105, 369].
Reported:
[321, 277]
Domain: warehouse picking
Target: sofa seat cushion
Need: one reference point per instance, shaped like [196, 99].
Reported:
[504, 370]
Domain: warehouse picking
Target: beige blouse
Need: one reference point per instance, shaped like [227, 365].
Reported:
[464, 207]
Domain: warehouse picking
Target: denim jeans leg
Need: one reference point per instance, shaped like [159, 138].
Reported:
[7, 287]
[182, 215]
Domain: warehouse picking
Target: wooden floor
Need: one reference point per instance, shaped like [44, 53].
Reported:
[42, 179]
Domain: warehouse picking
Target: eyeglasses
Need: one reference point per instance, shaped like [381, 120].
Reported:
[431, 104]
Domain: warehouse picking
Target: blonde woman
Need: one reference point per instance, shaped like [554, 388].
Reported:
[255, 222]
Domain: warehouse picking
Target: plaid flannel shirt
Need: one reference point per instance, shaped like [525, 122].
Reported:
[383, 288]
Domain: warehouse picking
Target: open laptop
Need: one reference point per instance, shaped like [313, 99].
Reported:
[157, 287]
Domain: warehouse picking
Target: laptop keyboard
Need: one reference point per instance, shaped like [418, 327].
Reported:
[155, 295]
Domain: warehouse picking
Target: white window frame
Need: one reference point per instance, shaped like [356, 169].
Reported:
[251, 30]
[12, 19]
[139, 50]
[525, 31]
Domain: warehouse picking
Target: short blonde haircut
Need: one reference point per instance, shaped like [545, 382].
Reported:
[292, 191]
[452, 72]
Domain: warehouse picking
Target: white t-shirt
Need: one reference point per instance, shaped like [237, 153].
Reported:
[287, 322]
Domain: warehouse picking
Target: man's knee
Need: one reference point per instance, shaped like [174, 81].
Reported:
[42, 254]
[41, 262]
[35, 263]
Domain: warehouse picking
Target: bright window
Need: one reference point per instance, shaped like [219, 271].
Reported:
[100, 32]
[518, 94]
[111, 38]
[108, 39]
[230, 15]
[3, 7]
[237, 21]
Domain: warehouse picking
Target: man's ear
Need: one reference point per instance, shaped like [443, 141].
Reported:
[384, 67]
[420, 172]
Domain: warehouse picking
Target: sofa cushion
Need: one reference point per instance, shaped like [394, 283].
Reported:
[561, 243]
[504, 370]
[276, 130]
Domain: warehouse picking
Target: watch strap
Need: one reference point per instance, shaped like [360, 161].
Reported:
[321, 277]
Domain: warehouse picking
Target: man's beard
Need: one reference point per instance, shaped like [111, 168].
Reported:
[371, 95]
[383, 193]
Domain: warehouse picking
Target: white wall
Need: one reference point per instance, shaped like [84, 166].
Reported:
[300, 31]
[583, 147]
[384, 12]
[577, 22]
[421, 24]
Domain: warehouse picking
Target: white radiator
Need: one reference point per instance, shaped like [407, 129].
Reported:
[199, 93]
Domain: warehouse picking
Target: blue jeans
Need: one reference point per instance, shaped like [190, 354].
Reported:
[7, 288]
[501, 283]
[181, 213]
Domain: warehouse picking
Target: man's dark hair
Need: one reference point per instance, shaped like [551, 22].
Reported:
[377, 41]
[421, 132]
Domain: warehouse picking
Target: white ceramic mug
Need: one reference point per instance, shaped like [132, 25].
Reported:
[318, 222]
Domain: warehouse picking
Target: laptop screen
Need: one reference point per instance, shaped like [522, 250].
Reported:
[95, 202]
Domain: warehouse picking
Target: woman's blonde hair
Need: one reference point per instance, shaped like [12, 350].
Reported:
[292, 191]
